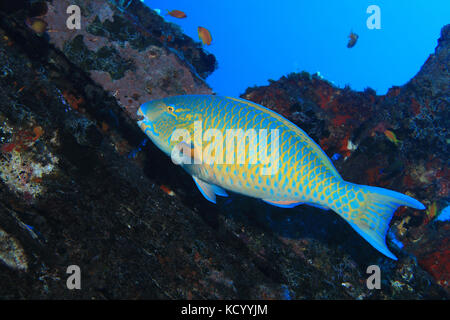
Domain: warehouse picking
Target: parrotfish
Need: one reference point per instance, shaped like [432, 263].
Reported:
[265, 156]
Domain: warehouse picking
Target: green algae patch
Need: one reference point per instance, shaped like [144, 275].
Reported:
[106, 58]
[121, 30]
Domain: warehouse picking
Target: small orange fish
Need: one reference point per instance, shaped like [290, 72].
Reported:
[104, 126]
[391, 136]
[204, 35]
[177, 14]
[37, 25]
[432, 210]
[167, 190]
[353, 37]
[38, 132]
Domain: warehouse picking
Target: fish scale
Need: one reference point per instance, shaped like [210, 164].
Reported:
[305, 175]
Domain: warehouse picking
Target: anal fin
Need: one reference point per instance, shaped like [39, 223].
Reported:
[283, 204]
[317, 206]
[291, 204]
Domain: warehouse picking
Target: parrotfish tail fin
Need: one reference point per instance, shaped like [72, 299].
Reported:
[369, 211]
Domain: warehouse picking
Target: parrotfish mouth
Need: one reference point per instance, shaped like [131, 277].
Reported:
[145, 124]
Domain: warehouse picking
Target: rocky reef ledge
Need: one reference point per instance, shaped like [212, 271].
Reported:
[79, 185]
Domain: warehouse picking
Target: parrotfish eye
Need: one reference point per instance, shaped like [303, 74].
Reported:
[170, 108]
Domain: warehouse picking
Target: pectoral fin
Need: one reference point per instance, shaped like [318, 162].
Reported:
[209, 191]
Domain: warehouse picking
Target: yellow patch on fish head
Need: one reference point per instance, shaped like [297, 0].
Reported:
[161, 119]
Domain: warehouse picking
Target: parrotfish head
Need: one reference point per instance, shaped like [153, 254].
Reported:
[161, 118]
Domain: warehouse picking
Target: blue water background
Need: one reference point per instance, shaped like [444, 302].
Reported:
[257, 40]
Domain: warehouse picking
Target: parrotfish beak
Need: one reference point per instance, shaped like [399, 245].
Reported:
[142, 111]
[146, 113]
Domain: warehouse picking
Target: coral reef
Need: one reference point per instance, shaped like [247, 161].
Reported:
[80, 185]
[21, 170]
[131, 52]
